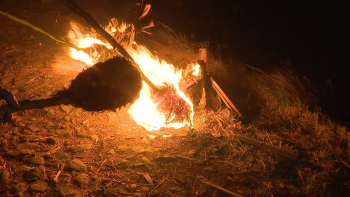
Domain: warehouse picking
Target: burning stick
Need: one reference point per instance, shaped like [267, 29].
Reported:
[91, 21]
[104, 86]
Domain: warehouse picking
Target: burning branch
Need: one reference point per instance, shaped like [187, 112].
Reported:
[93, 23]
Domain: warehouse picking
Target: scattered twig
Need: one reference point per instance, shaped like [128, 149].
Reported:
[340, 160]
[184, 157]
[219, 188]
[148, 178]
[216, 156]
[262, 160]
[50, 152]
[268, 136]
[180, 182]
[58, 173]
[218, 120]
[44, 138]
[25, 189]
[104, 161]
[164, 179]
[3, 165]
[263, 145]
[111, 179]
[225, 162]
[243, 149]
[127, 194]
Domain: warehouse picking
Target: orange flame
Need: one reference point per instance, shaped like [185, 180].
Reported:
[144, 111]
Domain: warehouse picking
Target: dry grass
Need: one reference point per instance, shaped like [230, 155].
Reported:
[280, 106]
[283, 87]
[288, 121]
[322, 145]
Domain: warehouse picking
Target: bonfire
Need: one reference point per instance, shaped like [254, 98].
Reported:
[115, 74]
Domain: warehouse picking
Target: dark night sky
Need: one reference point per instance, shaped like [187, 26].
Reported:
[313, 36]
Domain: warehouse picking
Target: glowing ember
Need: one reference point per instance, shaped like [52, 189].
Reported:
[167, 108]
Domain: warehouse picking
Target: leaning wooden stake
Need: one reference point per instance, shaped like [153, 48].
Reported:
[94, 24]
[223, 96]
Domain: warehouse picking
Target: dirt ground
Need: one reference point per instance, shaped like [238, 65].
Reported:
[66, 151]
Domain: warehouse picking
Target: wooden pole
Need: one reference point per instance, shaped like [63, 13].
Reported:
[205, 79]
[36, 104]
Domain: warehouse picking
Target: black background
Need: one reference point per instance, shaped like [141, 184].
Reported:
[311, 38]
